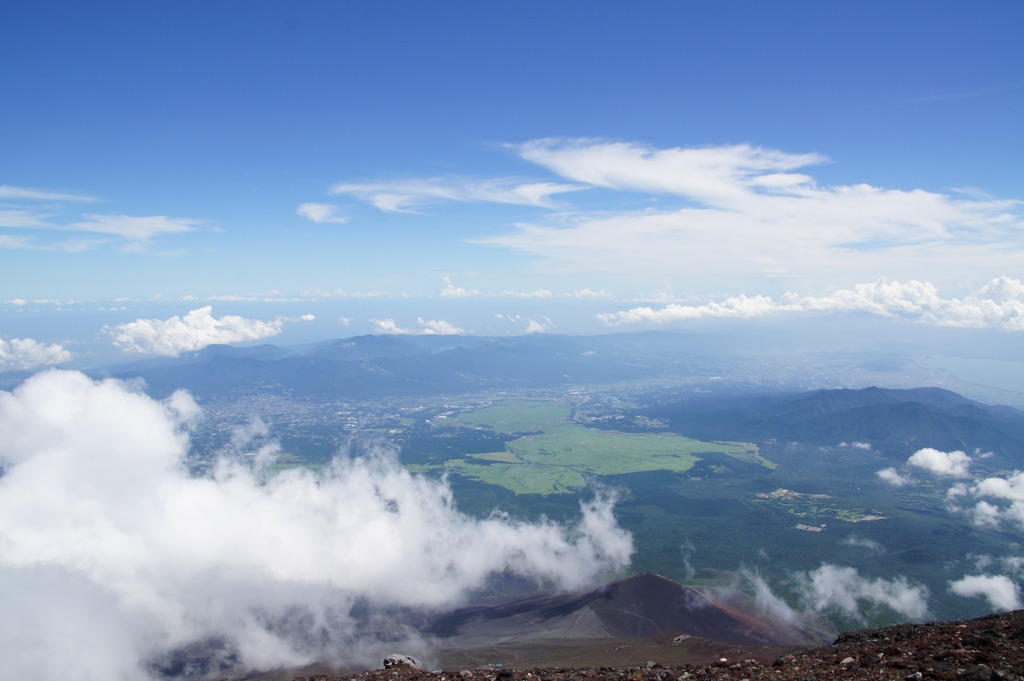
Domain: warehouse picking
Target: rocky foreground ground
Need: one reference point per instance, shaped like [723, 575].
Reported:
[987, 649]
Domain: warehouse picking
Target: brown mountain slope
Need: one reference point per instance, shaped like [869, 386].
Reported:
[642, 606]
[987, 649]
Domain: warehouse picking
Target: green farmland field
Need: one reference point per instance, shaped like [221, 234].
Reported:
[558, 453]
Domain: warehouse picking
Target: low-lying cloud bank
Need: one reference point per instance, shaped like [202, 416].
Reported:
[839, 589]
[112, 556]
[194, 331]
[998, 304]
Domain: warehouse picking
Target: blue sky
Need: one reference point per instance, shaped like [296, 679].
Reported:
[322, 169]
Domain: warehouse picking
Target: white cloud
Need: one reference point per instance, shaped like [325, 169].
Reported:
[843, 588]
[588, 293]
[429, 327]
[450, 290]
[321, 212]
[945, 464]
[864, 543]
[990, 501]
[12, 242]
[1000, 591]
[114, 555]
[832, 587]
[713, 174]
[998, 304]
[24, 219]
[26, 353]
[892, 476]
[743, 214]
[194, 331]
[439, 327]
[768, 604]
[542, 326]
[138, 230]
[406, 196]
[134, 227]
[736, 307]
[8, 192]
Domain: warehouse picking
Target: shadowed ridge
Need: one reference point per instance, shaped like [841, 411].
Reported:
[641, 606]
[648, 604]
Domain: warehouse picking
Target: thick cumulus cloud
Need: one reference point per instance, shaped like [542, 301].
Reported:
[112, 556]
[946, 464]
[990, 502]
[26, 353]
[1000, 591]
[955, 464]
[998, 304]
[194, 331]
[892, 476]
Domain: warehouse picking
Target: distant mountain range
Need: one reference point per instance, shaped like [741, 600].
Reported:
[743, 405]
[376, 366]
[895, 422]
[420, 366]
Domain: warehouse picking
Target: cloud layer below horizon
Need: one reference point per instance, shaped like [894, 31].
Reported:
[998, 304]
[113, 555]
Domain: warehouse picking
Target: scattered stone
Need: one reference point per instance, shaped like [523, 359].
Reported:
[978, 672]
[986, 649]
[396, 660]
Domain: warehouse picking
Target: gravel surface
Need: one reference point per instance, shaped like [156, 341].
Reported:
[987, 649]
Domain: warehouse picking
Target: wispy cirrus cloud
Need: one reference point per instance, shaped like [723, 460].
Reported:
[744, 212]
[137, 228]
[23, 212]
[8, 192]
[408, 195]
[24, 219]
[998, 304]
[193, 331]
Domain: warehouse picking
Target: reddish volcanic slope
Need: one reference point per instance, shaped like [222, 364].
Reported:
[642, 606]
[986, 649]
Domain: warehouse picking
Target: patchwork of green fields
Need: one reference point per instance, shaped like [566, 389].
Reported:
[557, 454]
